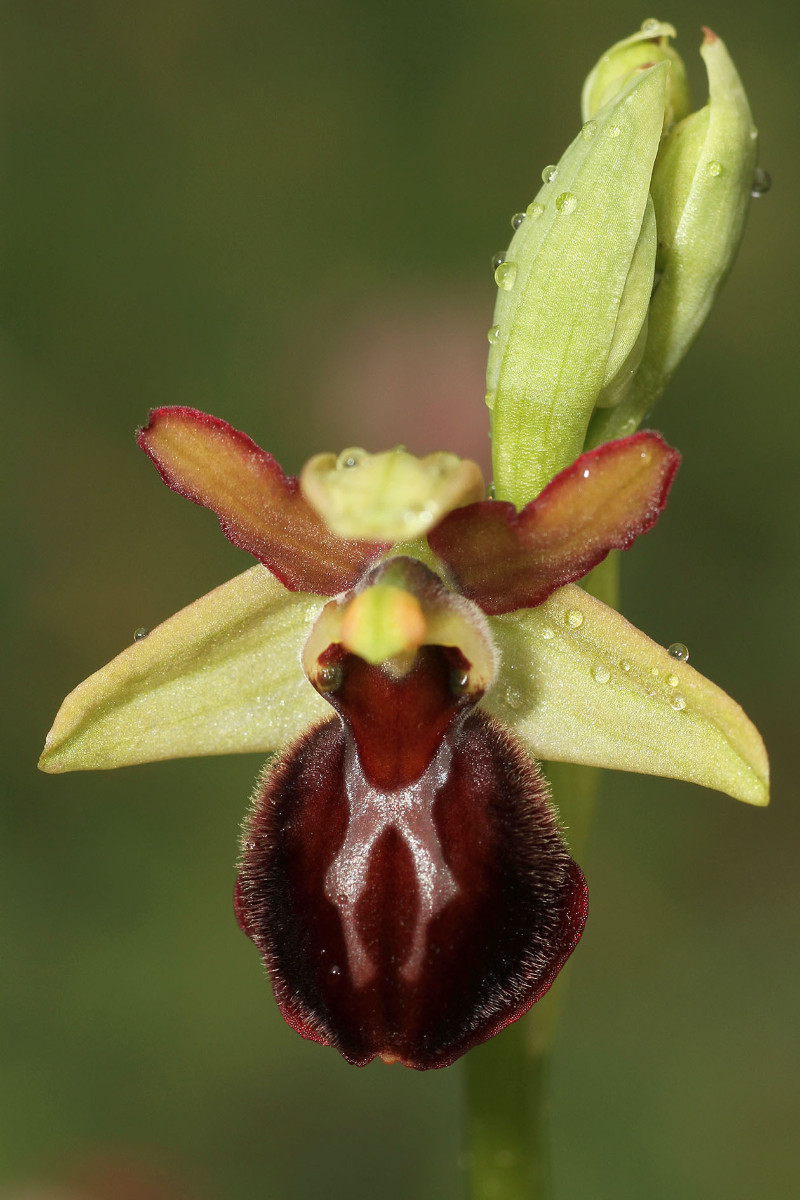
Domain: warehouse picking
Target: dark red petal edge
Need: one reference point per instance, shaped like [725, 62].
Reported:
[504, 560]
[260, 508]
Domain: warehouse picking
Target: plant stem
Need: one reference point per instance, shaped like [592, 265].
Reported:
[507, 1096]
[506, 1093]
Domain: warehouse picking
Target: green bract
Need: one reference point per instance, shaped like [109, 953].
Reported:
[617, 262]
[701, 189]
[568, 266]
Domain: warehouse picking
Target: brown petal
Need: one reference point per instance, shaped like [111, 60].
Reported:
[260, 509]
[505, 560]
[402, 873]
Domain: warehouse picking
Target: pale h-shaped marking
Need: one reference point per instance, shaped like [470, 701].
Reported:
[409, 811]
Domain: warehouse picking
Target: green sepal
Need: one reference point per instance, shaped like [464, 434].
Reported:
[557, 322]
[615, 68]
[701, 192]
[221, 676]
[578, 683]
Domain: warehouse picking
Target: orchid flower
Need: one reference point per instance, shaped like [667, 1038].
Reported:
[402, 871]
[406, 648]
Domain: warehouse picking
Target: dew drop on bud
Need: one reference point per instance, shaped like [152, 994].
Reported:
[650, 25]
[505, 275]
[494, 334]
[140, 634]
[678, 703]
[762, 182]
[715, 169]
[535, 210]
[679, 651]
[517, 220]
[574, 618]
[601, 674]
[589, 130]
[549, 173]
[490, 399]
[566, 203]
[497, 259]
[626, 665]
[612, 131]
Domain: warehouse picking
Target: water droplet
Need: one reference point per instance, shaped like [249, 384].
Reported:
[601, 674]
[612, 131]
[505, 275]
[497, 259]
[140, 634]
[566, 203]
[589, 130]
[655, 671]
[513, 698]
[490, 399]
[549, 173]
[626, 665]
[517, 220]
[753, 134]
[574, 618]
[535, 210]
[350, 458]
[672, 680]
[715, 169]
[547, 633]
[678, 650]
[650, 25]
[492, 490]
[459, 682]
[678, 703]
[494, 334]
[336, 970]
[762, 182]
[329, 678]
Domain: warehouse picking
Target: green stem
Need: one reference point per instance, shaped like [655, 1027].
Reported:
[507, 1093]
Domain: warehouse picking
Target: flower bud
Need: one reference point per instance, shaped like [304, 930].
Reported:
[573, 291]
[701, 189]
[617, 67]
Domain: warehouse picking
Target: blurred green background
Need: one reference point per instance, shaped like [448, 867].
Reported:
[284, 214]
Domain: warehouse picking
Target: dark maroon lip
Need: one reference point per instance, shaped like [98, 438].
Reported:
[402, 873]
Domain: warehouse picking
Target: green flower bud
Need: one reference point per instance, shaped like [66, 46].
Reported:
[618, 66]
[573, 291]
[701, 190]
